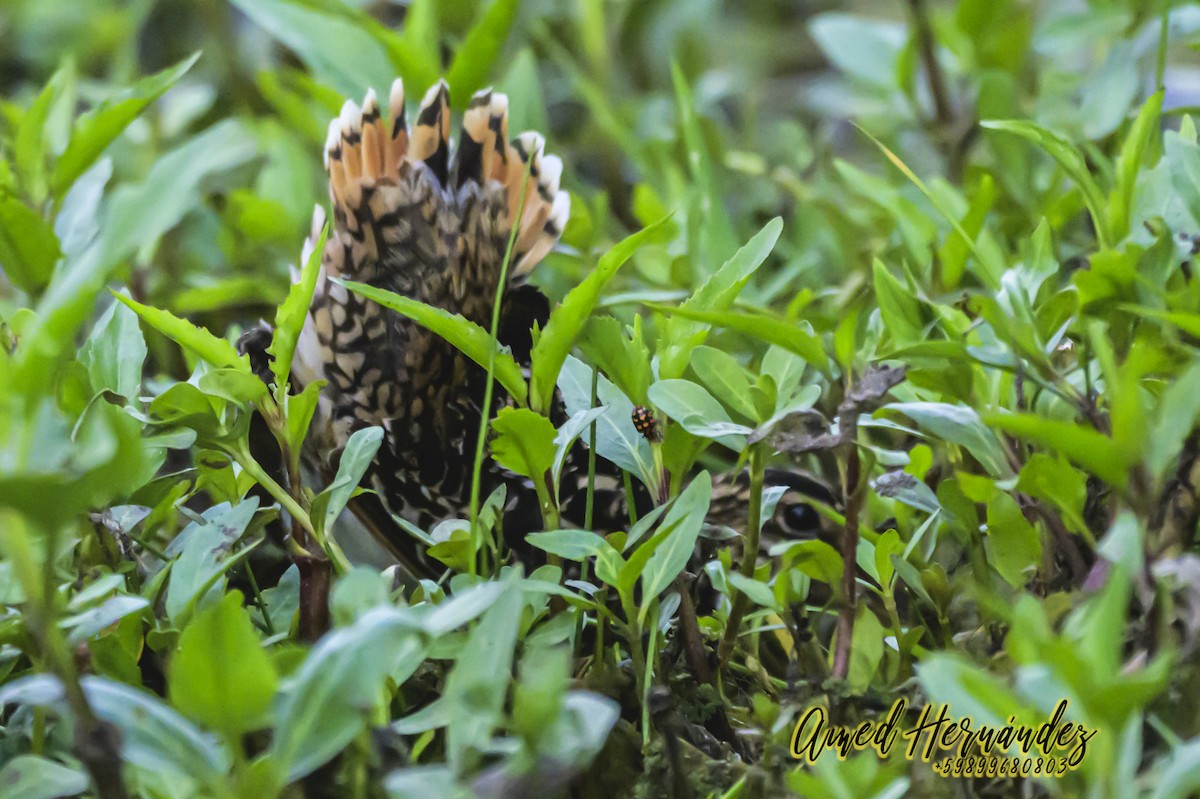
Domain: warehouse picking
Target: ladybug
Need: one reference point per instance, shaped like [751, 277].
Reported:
[645, 423]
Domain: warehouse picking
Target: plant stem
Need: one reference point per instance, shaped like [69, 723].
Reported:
[852, 493]
[97, 743]
[933, 70]
[485, 411]
[741, 602]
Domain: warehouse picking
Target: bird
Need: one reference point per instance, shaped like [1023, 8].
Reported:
[417, 215]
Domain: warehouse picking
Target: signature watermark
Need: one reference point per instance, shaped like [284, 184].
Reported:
[962, 747]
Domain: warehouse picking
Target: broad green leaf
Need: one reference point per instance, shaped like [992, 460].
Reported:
[115, 352]
[957, 424]
[203, 550]
[97, 128]
[356, 458]
[300, 409]
[337, 50]
[698, 412]
[204, 345]
[864, 48]
[221, 676]
[616, 438]
[476, 689]
[475, 60]
[901, 311]
[28, 143]
[1133, 151]
[624, 359]
[338, 687]
[1086, 447]
[681, 335]
[1175, 418]
[1183, 161]
[725, 378]
[950, 678]
[758, 592]
[538, 694]
[471, 339]
[524, 442]
[1013, 544]
[153, 735]
[577, 545]
[84, 625]
[362, 589]
[681, 527]
[1051, 479]
[817, 559]
[866, 649]
[290, 316]
[797, 337]
[568, 434]
[1069, 158]
[465, 606]
[33, 777]
[28, 247]
[570, 316]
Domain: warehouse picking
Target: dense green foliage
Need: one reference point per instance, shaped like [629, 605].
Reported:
[935, 254]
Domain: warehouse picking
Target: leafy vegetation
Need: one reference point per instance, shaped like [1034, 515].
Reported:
[936, 255]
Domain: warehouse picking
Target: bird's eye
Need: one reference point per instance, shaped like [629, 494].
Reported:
[801, 518]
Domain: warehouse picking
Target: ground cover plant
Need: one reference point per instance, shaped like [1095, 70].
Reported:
[879, 318]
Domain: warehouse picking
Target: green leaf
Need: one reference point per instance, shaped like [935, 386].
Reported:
[957, 424]
[1129, 164]
[1175, 417]
[290, 316]
[471, 339]
[864, 48]
[338, 51]
[817, 559]
[570, 316]
[28, 247]
[698, 412]
[758, 592]
[476, 58]
[213, 350]
[300, 409]
[96, 129]
[476, 689]
[1183, 161]
[726, 378]
[681, 335]
[616, 438]
[796, 337]
[1084, 446]
[221, 676]
[339, 686]
[524, 442]
[356, 458]
[115, 352]
[29, 146]
[679, 530]
[866, 649]
[1069, 158]
[567, 435]
[624, 359]
[1013, 544]
[901, 311]
[538, 695]
[33, 777]
[204, 554]
[577, 545]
